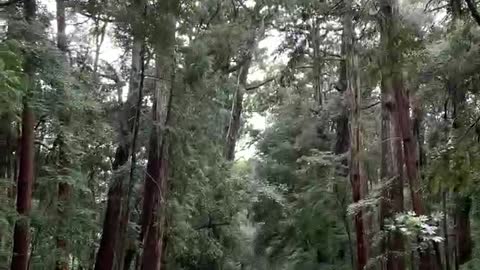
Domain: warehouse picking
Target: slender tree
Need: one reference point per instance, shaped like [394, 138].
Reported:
[357, 175]
[21, 237]
[256, 32]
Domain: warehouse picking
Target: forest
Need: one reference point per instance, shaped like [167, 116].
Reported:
[239, 135]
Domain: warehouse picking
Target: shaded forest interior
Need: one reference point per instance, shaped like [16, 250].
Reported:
[239, 135]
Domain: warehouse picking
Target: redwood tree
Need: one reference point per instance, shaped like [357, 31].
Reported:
[21, 236]
[153, 220]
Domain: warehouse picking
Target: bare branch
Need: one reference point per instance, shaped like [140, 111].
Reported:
[258, 85]
[371, 105]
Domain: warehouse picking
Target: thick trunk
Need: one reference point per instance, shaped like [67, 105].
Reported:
[392, 155]
[357, 176]
[153, 215]
[153, 219]
[111, 251]
[21, 237]
[391, 173]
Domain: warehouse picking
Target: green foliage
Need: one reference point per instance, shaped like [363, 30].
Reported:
[11, 77]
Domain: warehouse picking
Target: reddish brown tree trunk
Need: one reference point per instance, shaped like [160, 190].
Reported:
[153, 219]
[403, 123]
[463, 229]
[111, 224]
[357, 176]
[156, 188]
[391, 173]
[21, 237]
[111, 252]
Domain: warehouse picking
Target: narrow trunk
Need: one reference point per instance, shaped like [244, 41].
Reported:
[463, 230]
[237, 104]
[64, 189]
[445, 230]
[236, 112]
[6, 173]
[317, 63]
[136, 84]
[342, 144]
[21, 236]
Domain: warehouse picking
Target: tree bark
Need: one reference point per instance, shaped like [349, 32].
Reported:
[400, 104]
[21, 236]
[111, 251]
[257, 32]
[464, 245]
[357, 176]
[342, 144]
[153, 219]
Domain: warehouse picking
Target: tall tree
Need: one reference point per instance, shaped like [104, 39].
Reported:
[153, 219]
[21, 237]
[391, 170]
[255, 32]
[399, 104]
[111, 251]
[357, 174]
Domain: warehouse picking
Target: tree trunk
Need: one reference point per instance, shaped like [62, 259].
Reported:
[401, 108]
[153, 215]
[112, 244]
[21, 236]
[236, 112]
[317, 63]
[153, 219]
[342, 144]
[464, 245]
[258, 30]
[357, 176]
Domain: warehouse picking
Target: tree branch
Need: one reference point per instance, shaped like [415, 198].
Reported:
[473, 10]
[258, 85]
[211, 225]
[371, 105]
[8, 3]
